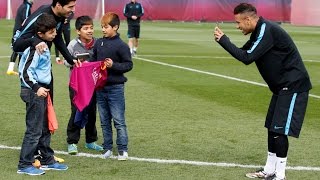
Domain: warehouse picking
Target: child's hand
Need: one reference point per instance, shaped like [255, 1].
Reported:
[41, 47]
[77, 63]
[42, 92]
[109, 62]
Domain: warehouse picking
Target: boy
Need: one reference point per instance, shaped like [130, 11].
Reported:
[35, 76]
[23, 12]
[110, 99]
[82, 44]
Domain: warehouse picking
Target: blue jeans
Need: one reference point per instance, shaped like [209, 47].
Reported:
[37, 135]
[111, 105]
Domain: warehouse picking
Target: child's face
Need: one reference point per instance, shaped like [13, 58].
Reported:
[49, 35]
[109, 31]
[86, 33]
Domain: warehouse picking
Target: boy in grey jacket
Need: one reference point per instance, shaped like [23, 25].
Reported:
[82, 44]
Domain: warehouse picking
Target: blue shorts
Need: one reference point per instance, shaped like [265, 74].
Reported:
[134, 31]
[286, 113]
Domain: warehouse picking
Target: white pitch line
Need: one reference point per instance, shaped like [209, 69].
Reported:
[207, 57]
[210, 73]
[168, 161]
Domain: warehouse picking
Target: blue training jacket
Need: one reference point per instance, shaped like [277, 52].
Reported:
[35, 69]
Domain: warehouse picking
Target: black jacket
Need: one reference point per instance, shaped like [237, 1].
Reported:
[133, 9]
[23, 12]
[276, 56]
[26, 39]
[119, 52]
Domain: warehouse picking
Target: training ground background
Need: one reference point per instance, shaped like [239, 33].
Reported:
[193, 111]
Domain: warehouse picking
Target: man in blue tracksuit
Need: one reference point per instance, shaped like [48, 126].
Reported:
[133, 11]
[23, 12]
[60, 9]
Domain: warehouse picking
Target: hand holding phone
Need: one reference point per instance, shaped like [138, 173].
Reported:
[83, 56]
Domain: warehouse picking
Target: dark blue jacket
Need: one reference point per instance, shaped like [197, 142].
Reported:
[23, 12]
[133, 9]
[117, 50]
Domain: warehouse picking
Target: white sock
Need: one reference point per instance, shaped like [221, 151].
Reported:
[281, 167]
[270, 166]
[11, 66]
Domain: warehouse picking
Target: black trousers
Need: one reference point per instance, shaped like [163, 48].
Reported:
[73, 131]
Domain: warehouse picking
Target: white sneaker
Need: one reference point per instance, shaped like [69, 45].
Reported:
[107, 154]
[123, 156]
[260, 173]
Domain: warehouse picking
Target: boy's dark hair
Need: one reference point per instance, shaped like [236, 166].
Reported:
[83, 20]
[45, 23]
[244, 8]
[110, 18]
[62, 2]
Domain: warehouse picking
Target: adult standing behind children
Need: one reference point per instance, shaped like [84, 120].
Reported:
[82, 44]
[133, 11]
[35, 76]
[60, 9]
[111, 99]
[280, 64]
[23, 12]
[66, 31]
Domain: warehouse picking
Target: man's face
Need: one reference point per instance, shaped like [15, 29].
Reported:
[86, 33]
[243, 22]
[65, 11]
[49, 35]
[133, 1]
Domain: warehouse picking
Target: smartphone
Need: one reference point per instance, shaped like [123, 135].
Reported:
[83, 56]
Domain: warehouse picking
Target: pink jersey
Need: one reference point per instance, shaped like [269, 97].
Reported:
[85, 79]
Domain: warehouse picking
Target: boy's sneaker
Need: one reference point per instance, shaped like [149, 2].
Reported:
[72, 149]
[31, 171]
[123, 155]
[260, 173]
[107, 154]
[59, 160]
[94, 146]
[55, 166]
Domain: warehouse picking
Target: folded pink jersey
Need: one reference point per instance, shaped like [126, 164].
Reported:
[85, 80]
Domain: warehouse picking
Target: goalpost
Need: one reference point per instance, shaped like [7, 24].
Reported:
[9, 10]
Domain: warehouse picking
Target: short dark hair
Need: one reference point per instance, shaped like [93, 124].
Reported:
[45, 22]
[110, 18]
[83, 20]
[62, 2]
[244, 8]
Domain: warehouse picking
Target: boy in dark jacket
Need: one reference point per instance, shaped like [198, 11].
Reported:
[110, 99]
